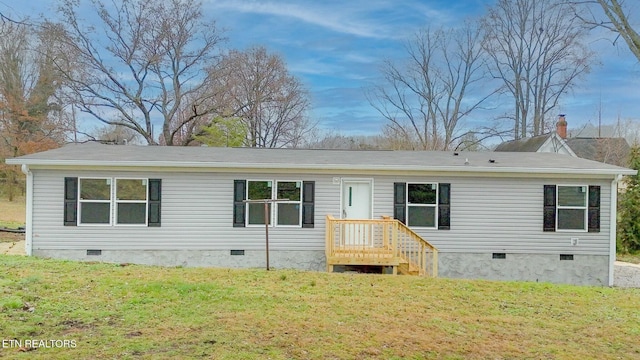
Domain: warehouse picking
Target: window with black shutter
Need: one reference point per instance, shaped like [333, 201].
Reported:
[571, 208]
[426, 205]
[112, 201]
[295, 207]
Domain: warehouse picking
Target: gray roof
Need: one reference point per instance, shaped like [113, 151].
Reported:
[608, 150]
[530, 144]
[99, 155]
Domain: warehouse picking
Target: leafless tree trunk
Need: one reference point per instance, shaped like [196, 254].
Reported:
[141, 60]
[259, 90]
[428, 97]
[537, 50]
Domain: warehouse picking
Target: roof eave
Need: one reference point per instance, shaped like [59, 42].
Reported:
[385, 168]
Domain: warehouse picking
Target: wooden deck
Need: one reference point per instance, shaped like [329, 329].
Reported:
[384, 242]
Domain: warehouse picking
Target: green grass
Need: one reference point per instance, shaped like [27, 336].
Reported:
[12, 213]
[10, 224]
[141, 312]
[633, 258]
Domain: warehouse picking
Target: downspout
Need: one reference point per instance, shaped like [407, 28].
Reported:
[28, 244]
[613, 221]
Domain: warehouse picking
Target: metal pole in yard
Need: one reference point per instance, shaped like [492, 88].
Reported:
[267, 217]
[266, 230]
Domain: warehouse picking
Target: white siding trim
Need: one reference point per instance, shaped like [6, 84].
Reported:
[613, 227]
[28, 243]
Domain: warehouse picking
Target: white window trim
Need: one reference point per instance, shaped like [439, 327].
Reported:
[116, 201]
[585, 208]
[80, 201]
[298, 202]
[273, 218]
[435, 206]
[113, 202]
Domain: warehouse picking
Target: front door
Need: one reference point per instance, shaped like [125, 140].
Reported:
[356, 204]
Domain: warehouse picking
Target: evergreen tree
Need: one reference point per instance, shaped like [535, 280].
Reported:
[629, 208]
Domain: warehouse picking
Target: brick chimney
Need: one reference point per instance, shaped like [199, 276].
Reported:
[561, 126]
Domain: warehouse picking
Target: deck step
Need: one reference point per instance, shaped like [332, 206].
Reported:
[406, 269]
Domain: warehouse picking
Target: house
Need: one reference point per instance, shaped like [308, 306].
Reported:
[490, 215]
[610, 150]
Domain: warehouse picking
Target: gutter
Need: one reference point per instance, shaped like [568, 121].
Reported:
[337, 167]
[613, 227]
[28, 239]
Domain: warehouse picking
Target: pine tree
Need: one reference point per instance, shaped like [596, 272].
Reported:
[629, 208]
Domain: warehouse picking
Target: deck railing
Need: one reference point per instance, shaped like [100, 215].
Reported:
[385, 242]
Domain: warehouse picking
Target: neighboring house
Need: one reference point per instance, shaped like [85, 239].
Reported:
[506, 216]
[608, 150]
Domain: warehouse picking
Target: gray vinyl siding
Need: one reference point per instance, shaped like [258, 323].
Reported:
[487, 215]
[502, 215]
[197, 210]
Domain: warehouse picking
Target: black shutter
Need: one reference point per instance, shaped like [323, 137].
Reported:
[239, 193]
[70, 201]
[549, 208]
[444, 206]
[155, 199]
[308, 203]
[594, 208]
[399, 201]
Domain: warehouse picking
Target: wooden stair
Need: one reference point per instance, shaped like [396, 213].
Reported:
[385, 242]
[405, 268]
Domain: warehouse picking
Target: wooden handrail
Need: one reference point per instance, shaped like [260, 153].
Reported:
[384, 241]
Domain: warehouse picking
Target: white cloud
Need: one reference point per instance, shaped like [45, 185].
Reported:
[345, 17]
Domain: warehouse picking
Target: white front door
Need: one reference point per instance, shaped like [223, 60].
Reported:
[356, 204]
[356, 199]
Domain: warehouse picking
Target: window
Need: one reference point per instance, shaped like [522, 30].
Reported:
[422, 202]
[258, 190]
[95, 201]
[426, 205]
[109, 201]
[289, 212]
[572, 208]
[131, 201]
[296, 211]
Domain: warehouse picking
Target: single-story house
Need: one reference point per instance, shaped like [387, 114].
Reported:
[506, 216]
[610, 150]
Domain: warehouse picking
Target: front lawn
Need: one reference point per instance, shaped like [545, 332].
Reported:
[112, 311]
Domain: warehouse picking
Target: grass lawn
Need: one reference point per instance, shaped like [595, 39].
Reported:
[12, 213]
[630, 258]
[125, 312]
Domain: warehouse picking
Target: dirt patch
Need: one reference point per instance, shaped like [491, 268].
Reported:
[13, 248]
[11, 237]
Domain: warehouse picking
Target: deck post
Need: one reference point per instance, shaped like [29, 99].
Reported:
[435, 263]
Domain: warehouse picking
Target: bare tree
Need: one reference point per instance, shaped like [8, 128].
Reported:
[538, 52]
[617, 13]
[139, 60]
[427, 97]
[258, 89]
[28, 85]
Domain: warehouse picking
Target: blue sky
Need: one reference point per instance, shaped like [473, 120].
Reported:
[336, 49]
